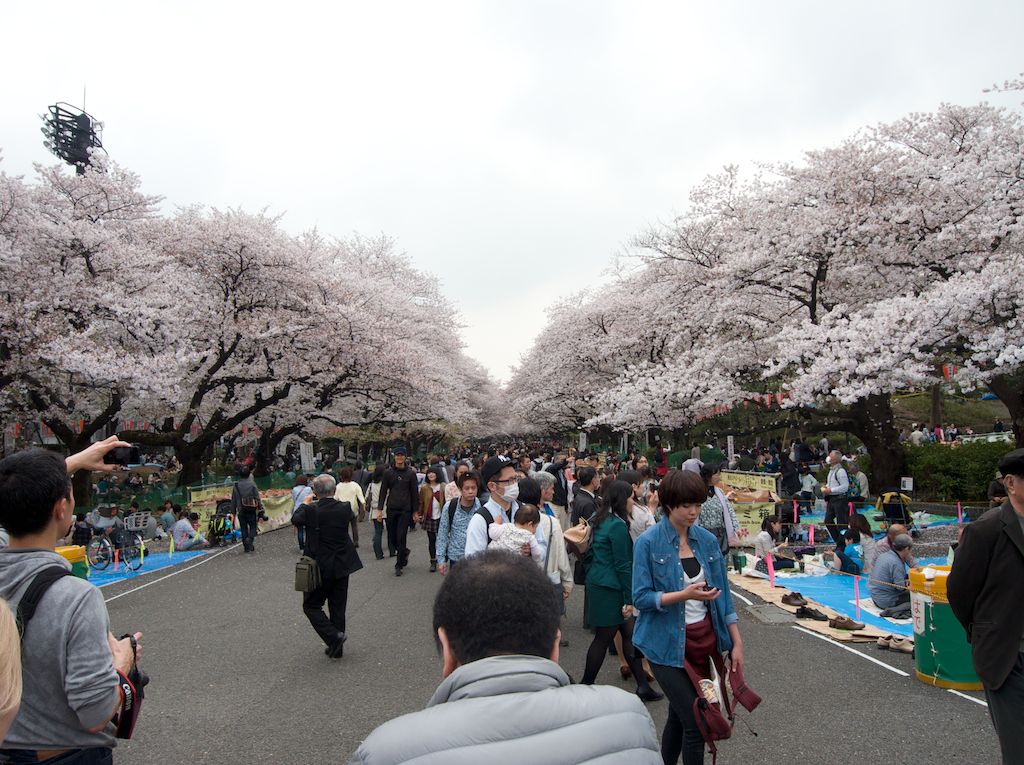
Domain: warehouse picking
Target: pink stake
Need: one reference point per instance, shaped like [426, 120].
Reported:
[796, 518]
[771, 570]
[959, 513]
[856, 593]
[851, 508]
[810, 532]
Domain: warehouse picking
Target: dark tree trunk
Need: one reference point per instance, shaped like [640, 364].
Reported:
[936, 405]
[872, 421]
[190, 455]
[266, 447]
[1010, 390]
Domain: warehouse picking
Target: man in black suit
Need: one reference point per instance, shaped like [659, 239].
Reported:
[585, 503]
[984, 590]
[327, 522]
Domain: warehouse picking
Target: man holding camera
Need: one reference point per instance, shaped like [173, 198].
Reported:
[80, 685]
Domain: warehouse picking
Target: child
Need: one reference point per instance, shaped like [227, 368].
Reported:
[850, 559]
[512, 536]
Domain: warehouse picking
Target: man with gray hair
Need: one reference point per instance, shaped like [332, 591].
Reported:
[327, 522]
[837, 508]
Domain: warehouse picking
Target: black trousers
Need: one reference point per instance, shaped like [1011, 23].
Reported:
[681, 734]
[247, 518]
[334, 592]
[398, 532]
[1006, 707]
[837, 518]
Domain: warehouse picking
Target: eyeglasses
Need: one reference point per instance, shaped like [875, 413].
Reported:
[513, 479]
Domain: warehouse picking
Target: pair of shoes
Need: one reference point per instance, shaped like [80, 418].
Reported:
[650, 695]
[810, 613]
[794, 599]
[433, 566]
[380, 557]
[398, 571]
[337, 649]
[845, 623]
[896, 643]
[392, 555]
[625, 672]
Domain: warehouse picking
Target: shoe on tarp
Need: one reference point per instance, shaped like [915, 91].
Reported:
[810, 613]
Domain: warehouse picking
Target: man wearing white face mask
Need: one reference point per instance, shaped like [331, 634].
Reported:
[499, 476]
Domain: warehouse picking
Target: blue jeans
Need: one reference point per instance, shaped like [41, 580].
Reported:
[248, 520]
[378, 534]
[92, 756]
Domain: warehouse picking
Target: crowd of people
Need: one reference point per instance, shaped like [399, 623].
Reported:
[512, 533]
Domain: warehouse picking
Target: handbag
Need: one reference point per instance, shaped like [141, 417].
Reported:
[307, 574]
[307, 570]
[579, 538]
[714, 713]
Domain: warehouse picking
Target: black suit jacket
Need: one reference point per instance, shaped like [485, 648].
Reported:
[584, 506]
[327, 523]
[561, 497]
[984, 590]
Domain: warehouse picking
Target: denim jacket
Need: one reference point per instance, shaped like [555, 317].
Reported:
[660, 632]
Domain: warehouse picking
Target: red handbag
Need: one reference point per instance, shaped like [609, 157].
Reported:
[701, 650]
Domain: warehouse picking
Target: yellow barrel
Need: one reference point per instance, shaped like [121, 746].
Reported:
[75, 555]
[941, 651]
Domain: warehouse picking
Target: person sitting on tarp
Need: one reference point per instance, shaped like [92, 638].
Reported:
[849, 560]
[888, 582]
[767, 543]
[885, 543]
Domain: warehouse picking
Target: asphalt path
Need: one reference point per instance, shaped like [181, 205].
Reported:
[239, 676]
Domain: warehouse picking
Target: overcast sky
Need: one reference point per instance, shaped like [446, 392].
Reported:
[512, 148]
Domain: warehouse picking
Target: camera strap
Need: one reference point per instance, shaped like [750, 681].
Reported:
[29, 602]
[131, 701]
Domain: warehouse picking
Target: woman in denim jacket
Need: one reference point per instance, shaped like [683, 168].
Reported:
[681, 589]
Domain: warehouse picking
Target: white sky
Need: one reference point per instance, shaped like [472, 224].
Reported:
[530, 139]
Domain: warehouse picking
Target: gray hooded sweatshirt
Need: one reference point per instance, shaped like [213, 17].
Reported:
[517, 709]
[70, 685]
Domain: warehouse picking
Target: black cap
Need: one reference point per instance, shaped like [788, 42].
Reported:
[493, 466]
[1012, 463]
[399, 450]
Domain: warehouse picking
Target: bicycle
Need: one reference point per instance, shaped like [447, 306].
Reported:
[127, 544]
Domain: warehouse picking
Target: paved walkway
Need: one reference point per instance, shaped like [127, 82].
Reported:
[238, 676]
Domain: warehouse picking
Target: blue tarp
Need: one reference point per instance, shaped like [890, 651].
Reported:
[150, 563]
[836, 591]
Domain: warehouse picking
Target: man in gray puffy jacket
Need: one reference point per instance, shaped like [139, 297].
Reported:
[496, 620]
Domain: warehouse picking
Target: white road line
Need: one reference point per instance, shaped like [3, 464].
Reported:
[872, 659]
[969, 698]
[741, 597]
[201, 561]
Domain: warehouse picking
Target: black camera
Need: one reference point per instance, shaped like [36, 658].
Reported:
[123, 456]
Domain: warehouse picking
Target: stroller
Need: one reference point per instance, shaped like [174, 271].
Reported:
[894, 507]
[220, 530]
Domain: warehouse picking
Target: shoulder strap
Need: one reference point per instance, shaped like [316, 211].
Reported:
[451, 514]
[488, 519]
[37, 588]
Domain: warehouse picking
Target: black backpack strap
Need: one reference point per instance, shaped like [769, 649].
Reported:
[488, 520]
[451, 515]
[37, 588]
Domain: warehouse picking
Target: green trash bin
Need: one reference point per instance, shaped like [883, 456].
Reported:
[941, 651]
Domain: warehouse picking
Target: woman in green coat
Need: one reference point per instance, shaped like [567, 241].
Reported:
[609, 564]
